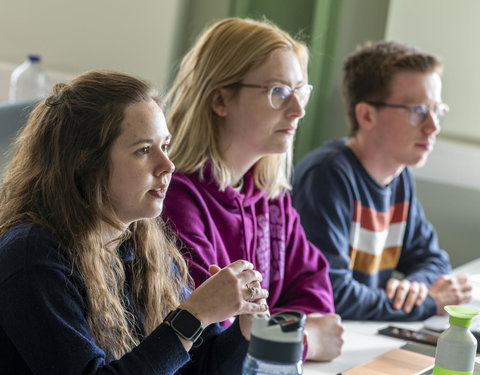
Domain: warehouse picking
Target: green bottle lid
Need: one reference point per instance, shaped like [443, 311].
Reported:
[461, 315]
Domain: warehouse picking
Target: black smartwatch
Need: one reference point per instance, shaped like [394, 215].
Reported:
[185, 324]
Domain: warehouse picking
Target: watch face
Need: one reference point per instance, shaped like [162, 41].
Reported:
[187, 323]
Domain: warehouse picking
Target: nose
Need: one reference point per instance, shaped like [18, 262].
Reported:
[163, 165]
[295, 108]
[431, 124]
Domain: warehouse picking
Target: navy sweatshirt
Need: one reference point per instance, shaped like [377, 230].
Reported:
[43, 326]
[366, 231]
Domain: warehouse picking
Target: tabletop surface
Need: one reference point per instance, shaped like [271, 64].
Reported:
[362, 343]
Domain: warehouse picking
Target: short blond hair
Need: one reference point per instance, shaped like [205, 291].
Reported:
[221, 57]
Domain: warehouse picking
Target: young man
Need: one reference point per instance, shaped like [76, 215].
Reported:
[356, 196]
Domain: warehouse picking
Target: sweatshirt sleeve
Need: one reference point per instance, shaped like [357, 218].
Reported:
[222, 352]
[306, 284]
[422, 259]
[324, 198]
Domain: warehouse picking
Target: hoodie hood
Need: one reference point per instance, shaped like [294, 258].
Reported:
[248, 196]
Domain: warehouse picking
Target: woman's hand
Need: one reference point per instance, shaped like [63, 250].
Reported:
[233, 290]
[245, 320]
[324, 336]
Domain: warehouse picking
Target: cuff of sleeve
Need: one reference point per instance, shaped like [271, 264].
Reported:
[430, 307]
[164, 340]
[228, 348]
[233, 335]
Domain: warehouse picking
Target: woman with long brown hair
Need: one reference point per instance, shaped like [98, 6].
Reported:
[90, 280]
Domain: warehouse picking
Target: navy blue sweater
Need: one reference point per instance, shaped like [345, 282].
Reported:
[366, 231]
[43, 326]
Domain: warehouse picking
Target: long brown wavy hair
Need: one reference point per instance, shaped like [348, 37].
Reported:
[58, 179]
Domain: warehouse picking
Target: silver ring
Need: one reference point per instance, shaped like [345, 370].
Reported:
[251, 289]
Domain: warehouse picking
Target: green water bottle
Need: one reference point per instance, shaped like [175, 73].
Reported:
[456, 347]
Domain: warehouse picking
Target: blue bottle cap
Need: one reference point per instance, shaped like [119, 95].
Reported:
[34, 58]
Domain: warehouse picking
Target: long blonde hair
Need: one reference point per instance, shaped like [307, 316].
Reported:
[221, 57]
[58, 179]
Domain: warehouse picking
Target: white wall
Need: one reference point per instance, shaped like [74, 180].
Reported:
[72, 36]
[453, 163]
[449, 29]
[448, 186]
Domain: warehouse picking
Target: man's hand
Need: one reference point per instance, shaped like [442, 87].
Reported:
[450, 290]
[324, 336]
[406, 294]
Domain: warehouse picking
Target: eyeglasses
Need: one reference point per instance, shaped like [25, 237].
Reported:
[279, 95]
[418, 113]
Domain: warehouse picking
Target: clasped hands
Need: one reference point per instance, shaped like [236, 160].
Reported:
[446, 290]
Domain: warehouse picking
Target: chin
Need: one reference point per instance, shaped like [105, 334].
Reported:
[152, 214]
[281, 148]
[419, 163]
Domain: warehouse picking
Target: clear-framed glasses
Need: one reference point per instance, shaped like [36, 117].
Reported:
[418, 113]
[279, 95]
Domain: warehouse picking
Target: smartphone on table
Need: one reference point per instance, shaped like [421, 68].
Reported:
[417, 336]
[410, 335]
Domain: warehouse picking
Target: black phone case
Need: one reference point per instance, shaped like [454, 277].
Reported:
[417, 336]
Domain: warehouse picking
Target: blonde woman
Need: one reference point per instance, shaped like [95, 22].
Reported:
[233, 111]
[90, 282]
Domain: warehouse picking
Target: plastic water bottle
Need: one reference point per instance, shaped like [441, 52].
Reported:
[456, 346]
[28, 81]
[276, 344]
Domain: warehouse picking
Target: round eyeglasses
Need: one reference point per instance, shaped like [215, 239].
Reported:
[418, 113]
[279, 95]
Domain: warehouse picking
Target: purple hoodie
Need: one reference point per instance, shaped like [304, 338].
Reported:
[221, 227]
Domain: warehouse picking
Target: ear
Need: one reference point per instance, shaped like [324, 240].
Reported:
[366, 115]
[219, 102]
